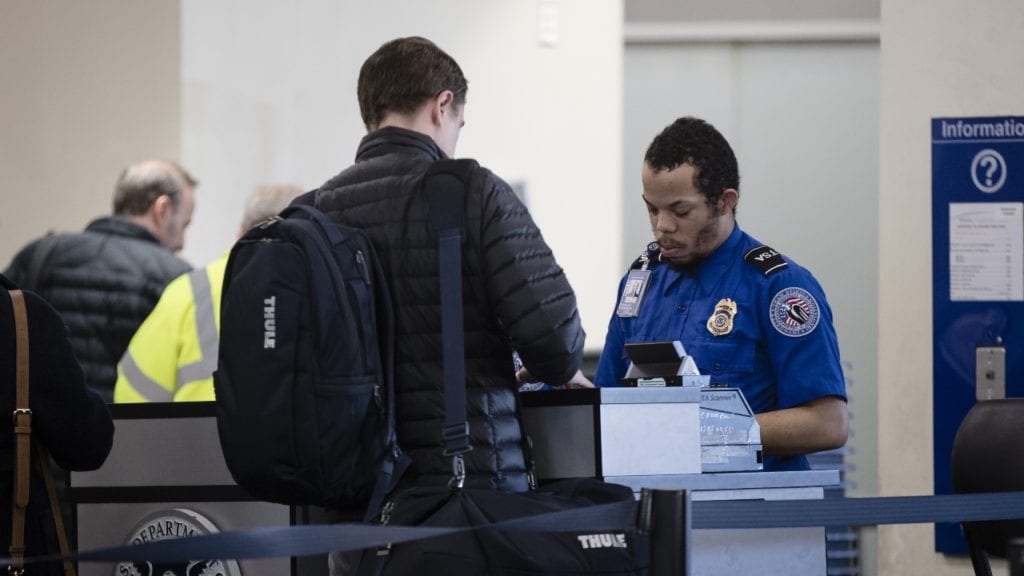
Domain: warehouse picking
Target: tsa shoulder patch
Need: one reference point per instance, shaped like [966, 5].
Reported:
[794, 312]
[765, 259]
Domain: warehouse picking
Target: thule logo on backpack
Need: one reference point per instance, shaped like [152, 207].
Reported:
[269, 323]
[588, 541]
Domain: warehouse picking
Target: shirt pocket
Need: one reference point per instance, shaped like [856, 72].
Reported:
[720, 358]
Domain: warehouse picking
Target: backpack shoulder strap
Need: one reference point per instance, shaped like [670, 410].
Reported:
[39, 255]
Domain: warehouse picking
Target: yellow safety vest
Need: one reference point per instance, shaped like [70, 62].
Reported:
[173, 354]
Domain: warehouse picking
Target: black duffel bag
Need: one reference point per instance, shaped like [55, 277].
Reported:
[511, 552]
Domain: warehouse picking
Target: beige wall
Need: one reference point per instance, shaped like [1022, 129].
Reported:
[86, 88]
[939, 58]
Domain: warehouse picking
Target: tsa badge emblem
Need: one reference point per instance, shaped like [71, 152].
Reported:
[794, 312]
[174, 523]
[720, 322]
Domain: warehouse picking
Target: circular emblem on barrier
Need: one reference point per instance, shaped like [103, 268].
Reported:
[174, 523]
[794, 312]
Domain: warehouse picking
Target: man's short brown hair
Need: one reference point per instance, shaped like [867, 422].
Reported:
[403, 74]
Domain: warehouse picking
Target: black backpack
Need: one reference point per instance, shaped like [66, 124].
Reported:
[304, 372]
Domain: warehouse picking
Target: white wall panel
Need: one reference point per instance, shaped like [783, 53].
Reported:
[269, 95]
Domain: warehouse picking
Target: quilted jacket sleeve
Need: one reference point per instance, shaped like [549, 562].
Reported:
[527, 288]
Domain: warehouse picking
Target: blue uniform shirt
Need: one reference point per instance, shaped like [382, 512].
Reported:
[780, 349]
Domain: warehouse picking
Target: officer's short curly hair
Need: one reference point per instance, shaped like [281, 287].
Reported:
[695, 142]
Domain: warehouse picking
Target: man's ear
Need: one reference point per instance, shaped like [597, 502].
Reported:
[162, 209]
[729, 199]
[441, 105]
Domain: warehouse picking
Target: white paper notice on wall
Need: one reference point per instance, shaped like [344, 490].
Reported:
[986, 251]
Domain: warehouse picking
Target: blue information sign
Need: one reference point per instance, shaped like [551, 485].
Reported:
[977, 274]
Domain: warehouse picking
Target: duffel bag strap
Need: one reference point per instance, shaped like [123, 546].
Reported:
[444, 187]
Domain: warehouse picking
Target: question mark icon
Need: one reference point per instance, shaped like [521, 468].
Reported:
[990, 164]
[994, 167]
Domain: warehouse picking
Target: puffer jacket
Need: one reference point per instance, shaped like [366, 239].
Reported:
[104, 282]
[515, 296]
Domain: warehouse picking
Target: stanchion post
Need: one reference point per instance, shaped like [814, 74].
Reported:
[665, 515]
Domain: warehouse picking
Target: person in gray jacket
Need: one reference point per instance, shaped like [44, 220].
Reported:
[412, 97]
[105, 280]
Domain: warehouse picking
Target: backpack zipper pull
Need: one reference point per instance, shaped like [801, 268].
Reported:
[385, 512]
[269, 222]
[362, 264]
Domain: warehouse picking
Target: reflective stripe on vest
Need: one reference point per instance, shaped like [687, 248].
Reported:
[144, 385]
[206, 329]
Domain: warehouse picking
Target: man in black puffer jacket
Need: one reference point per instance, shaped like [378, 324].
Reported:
[411, 95]
[105, 280]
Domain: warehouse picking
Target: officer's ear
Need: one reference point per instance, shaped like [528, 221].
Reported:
[728, 200]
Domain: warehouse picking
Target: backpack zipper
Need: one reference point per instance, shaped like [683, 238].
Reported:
[385, 515]
[361, 260]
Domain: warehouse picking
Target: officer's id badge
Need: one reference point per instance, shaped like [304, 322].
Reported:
[794, 312]
[633, 293]
[720, 323]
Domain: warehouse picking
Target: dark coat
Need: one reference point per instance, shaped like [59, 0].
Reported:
[104, 282]
[68, 418]
[515, 296]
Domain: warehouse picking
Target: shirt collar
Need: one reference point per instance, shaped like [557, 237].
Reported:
[716, 266]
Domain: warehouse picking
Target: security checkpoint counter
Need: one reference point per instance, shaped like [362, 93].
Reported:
[166, 478]
[650, 438]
